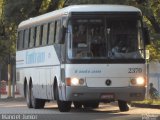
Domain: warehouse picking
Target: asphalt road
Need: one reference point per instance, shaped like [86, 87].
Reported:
[17, 110]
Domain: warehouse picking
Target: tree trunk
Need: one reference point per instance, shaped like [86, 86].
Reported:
[53, 5]
[37, 5]
[154, 23]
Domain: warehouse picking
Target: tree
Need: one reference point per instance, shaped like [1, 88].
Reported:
[14, 11]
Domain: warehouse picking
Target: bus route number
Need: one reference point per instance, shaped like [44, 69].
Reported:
[135, 70]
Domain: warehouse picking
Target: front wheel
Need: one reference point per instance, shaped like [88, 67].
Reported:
[63, 106]
[123, 106]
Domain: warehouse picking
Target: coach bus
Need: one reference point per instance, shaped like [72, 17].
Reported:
[82, 55]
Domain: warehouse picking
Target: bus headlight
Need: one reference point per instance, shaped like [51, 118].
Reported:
[137, 81]
[140, 81]
[75, 82]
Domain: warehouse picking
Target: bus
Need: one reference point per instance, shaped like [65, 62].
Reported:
[82, 55]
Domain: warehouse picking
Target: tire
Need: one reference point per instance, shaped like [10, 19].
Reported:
[37, 103]
[77, 105]
[123, 106]
[28, 97]
[91, 104]
[63, 106]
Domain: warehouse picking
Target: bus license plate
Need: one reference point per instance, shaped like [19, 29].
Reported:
[107, 96]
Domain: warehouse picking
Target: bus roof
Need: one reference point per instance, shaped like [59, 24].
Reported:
[78, 8]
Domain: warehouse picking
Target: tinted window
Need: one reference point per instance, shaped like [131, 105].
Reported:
[20, 40]
[26, 38]
[32, 37]
[51, 33]
[38, 35]
[57, 34]
[45, 34]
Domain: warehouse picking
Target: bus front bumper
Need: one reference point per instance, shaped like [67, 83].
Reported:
[105, 94]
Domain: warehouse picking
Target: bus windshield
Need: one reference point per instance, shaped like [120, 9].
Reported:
[105, 37]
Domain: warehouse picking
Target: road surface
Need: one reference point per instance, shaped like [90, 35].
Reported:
[17, 110]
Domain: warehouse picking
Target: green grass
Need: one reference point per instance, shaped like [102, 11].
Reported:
[148, 101]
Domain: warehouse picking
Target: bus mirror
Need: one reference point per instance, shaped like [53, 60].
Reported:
[63, 33]
[146, 36]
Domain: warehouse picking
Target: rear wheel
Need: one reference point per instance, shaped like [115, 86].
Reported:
[63, 106]
[28, 97]
[36, 103]
[123, 105]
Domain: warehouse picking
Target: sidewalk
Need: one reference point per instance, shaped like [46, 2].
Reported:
[5, 96]
[145, 105]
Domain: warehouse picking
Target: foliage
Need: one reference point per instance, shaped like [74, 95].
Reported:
[12, 12]
[154, 48]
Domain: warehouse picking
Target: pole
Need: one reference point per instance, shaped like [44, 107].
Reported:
[9, 79]
[13, 80]
[147, 72]
[0, 80]
[147, 79]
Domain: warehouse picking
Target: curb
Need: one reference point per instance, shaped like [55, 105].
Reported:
[9, 99]
[145, 105]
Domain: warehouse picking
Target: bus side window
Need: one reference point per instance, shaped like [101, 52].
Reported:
[26, 38]
[20, 40]
[51, 33]
[45, 34]
[48, 29]
[32, 38]
[35, 33]
[41, 35]
[38, 36]
[57, 33]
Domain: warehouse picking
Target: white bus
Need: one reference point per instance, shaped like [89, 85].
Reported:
[82, 54]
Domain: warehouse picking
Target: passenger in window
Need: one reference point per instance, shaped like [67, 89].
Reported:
[96, 40]
[79, 35]
[95, 35]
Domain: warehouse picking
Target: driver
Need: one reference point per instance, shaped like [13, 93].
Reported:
[120, 48]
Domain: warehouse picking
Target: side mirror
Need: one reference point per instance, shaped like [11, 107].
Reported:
[62, 35]
[146, 36]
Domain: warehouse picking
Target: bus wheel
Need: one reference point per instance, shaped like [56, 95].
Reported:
[28, 97]
[63, 106]
[123, 106]
[77, 105]
[36, 103]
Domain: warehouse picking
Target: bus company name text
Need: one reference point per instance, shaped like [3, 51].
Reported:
[34, 58]
[88, 71]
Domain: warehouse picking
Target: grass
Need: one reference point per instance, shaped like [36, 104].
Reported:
[148, 101]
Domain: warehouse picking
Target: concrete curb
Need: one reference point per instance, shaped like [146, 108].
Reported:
[145, 105]
[9, 99]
